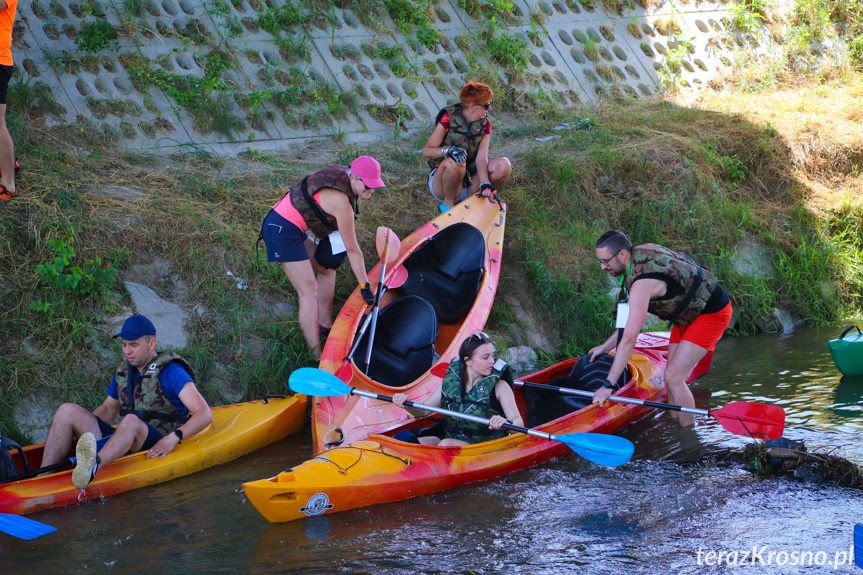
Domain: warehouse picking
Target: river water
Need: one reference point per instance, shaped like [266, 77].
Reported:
[659, 514]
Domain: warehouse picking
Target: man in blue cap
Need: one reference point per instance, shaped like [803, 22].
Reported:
[155, 394]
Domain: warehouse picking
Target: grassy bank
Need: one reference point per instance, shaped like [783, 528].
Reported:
[780, 165]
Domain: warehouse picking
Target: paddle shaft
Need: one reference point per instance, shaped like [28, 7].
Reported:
[362, 331]
[616, 398]
[54, 466]
[374, 316]
[458, 415]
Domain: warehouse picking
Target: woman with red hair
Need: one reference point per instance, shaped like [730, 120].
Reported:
[458, 149]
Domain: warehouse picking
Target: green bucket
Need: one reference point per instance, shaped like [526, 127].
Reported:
[847, 352]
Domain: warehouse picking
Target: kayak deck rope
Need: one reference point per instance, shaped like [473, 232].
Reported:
[363, 451]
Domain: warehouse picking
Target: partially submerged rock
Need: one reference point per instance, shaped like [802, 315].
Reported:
[785, 457]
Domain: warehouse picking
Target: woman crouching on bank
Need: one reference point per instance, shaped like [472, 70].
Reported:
[471, 386]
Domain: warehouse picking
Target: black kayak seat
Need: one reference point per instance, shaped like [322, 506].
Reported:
[544, 406]
[403, 348]
[447, 271]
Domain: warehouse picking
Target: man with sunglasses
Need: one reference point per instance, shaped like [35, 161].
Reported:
[458, 150]
[324, 203]
[658, 280]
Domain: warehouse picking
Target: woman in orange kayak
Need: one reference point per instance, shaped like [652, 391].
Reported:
[473, 386]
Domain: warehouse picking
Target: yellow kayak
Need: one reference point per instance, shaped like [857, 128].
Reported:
[236, 430]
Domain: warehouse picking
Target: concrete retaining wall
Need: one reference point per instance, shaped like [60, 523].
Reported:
[350, 81]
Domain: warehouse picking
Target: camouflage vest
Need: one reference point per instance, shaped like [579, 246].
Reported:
[461, 134]
[476, 402]
[656, 262]
[149, 401]
[334, 177]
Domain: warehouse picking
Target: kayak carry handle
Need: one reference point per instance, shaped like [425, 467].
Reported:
[269, 397]
[849, 328]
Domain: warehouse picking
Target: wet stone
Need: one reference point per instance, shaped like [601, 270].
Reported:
[521, 358]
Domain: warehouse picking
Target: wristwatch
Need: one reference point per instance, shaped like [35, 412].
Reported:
[607, 384]
[179, 434]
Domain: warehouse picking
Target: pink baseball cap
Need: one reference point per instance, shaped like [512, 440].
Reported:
[368, 170]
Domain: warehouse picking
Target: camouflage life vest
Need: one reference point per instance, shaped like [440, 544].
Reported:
[477, 401]
[334, 177]
[461, 134]
[652, 261]
[149, 401]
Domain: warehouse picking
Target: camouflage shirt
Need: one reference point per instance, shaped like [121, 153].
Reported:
[462, 134]
[477, 402]
[148, 400]
[680, 306]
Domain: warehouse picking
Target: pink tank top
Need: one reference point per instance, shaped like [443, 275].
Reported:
[286, 209]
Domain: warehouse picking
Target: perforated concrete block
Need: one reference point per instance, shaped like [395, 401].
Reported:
[284, 86]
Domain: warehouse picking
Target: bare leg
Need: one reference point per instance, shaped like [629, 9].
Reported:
[452, 442]
[682, 357]
[129, 438]
[447, 181]
[499, 170]
[7, 153]
[302, 278]
[429, 440]
[70, 422]
[326, 280]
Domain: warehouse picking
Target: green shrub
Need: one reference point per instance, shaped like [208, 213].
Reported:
[97, 36]
[91, 279]
[855, 52]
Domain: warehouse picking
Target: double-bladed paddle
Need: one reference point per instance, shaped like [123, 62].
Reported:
[387, 244]
[599, 448]
[744, 418]
[858, 545]
[22, 527]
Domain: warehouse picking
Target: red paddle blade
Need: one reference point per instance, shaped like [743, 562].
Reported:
[751, 419]
[398, 278]
[387, 244]
[440, 369]
[345, 372]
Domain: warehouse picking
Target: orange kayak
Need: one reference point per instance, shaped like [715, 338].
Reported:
[235, 431]
[383, 469]
[453, 265]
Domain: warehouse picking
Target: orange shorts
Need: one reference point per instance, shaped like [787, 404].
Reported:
[705, 331]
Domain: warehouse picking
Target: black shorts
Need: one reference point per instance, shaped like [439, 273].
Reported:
[5, 76]
[153, 434]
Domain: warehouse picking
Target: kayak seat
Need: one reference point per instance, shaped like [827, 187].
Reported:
[403, 348]
[447, 271]
[544, 406]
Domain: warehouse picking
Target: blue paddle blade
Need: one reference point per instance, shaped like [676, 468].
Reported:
[858, 546]
[599, 448]
[314, 381]
[22, 527]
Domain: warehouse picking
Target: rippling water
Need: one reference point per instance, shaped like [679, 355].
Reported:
[653, 515]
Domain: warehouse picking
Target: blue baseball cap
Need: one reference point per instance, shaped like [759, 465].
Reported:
[135, 327]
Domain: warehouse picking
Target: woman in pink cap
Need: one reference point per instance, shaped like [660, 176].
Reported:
[325, 204]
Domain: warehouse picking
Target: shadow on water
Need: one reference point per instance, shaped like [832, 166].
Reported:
[653, 515]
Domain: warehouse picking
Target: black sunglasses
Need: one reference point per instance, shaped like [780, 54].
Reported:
[487, 106]
[604, 261]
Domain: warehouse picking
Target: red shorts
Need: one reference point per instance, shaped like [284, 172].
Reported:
[705, 331]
